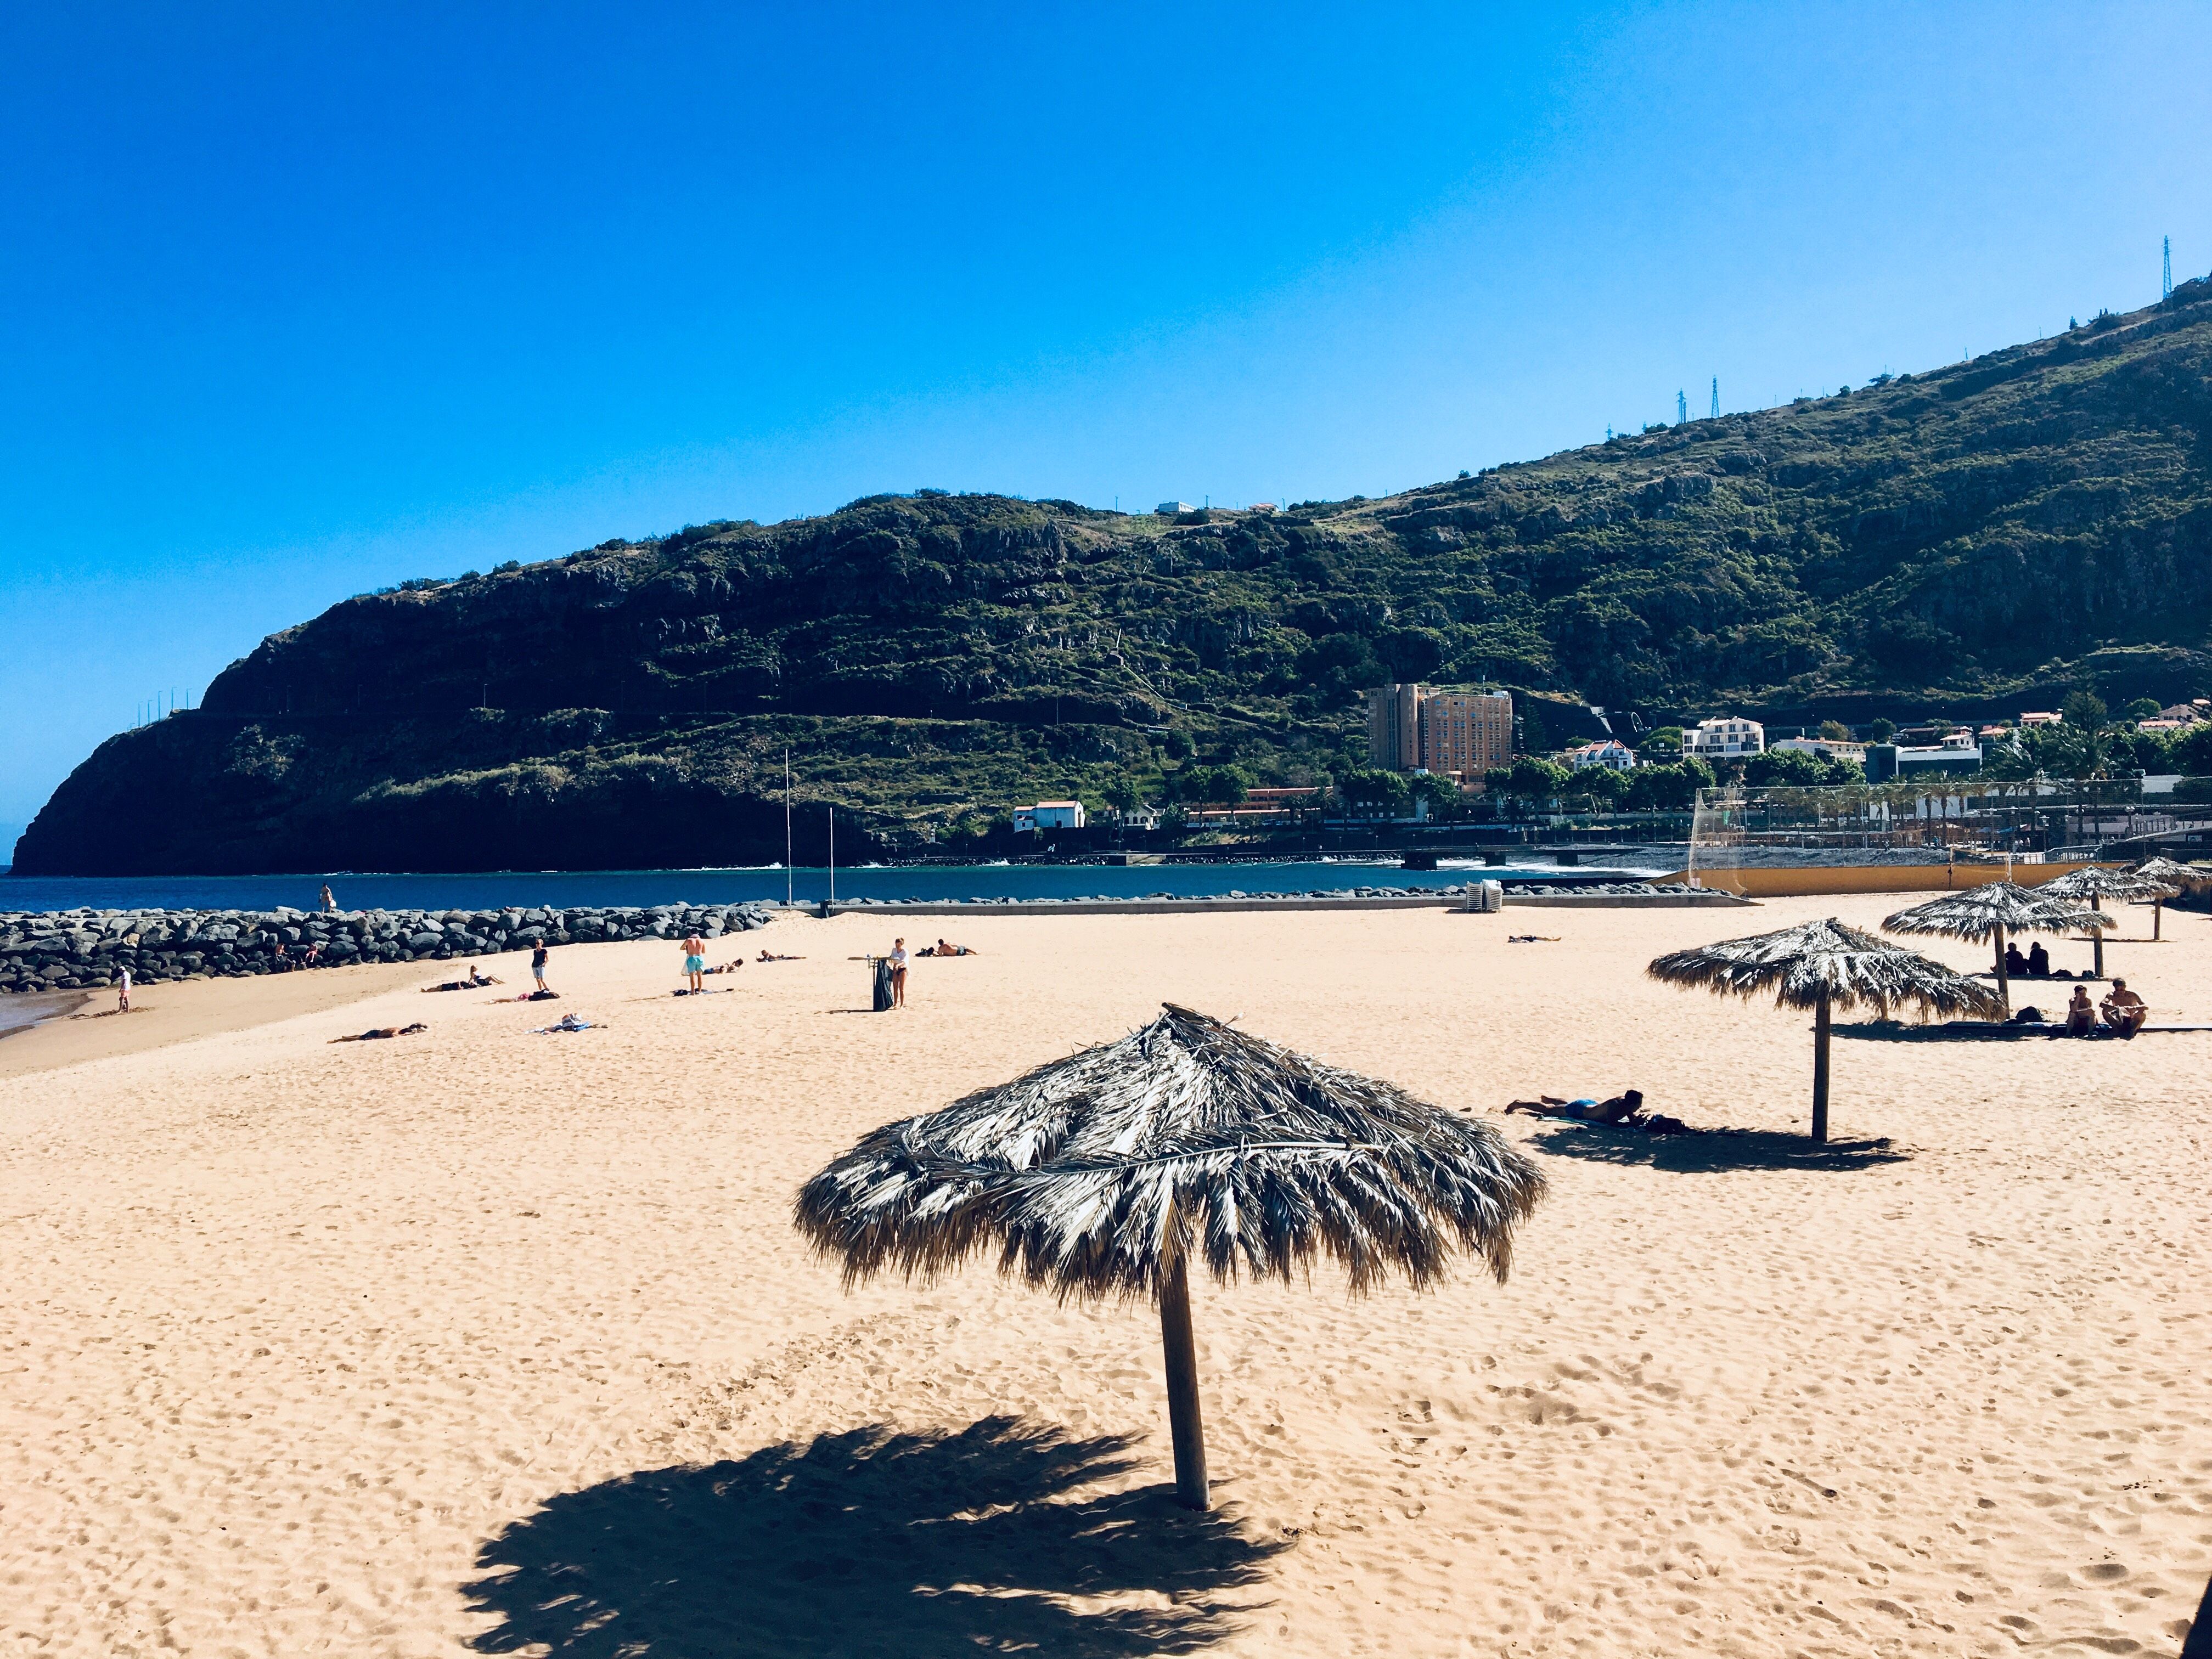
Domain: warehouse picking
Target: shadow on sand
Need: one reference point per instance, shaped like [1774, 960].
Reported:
[1711, 1151]
[871, 1542]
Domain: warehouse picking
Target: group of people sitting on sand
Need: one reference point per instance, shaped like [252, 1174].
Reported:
[2123, 1011]
[2036, 964]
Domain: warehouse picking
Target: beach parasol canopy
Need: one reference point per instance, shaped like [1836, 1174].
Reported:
[1825, 965]
[2175, 877]
[1108, 1173]
[2096, 884]
[1992, 910]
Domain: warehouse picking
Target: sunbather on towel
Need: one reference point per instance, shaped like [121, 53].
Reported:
[768, 955]
[1622, 1109]
[532, 996]
[565, 1023]
[382, 1031]
[1532, 939]
[475, 982]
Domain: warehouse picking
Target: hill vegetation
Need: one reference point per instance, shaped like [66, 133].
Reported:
[1983, 537]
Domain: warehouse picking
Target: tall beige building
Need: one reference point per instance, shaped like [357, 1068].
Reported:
[1461, 731]
[1393, 727]
[1466, 732]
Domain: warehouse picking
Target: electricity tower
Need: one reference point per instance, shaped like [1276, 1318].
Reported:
[1716, 397]
[2165, 276]
[1681, 408]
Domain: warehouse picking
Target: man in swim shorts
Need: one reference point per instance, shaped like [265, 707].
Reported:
[695, 960]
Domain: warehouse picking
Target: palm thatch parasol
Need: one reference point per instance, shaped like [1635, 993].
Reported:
[1104, 1173]
[1991, 911]
[2175, 877]
[1822, 965]
[2096, 884]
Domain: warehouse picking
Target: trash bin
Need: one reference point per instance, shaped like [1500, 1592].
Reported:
[1486, 898]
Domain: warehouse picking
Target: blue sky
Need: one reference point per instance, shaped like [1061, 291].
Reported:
[299, 301]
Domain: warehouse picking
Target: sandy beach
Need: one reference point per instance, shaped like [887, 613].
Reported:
[484, 1341]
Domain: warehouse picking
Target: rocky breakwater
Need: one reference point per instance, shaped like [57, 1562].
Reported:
[77, 949]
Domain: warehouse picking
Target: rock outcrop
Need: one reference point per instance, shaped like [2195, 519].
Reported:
[78, 950]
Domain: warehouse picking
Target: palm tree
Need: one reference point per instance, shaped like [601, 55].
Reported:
[1103, 1174]
[1823, 965]
[1991, 911]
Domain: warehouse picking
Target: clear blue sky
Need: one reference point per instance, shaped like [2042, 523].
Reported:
[296, 301]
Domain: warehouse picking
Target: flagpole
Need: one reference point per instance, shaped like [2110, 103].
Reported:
[787, 828]
[833, 854]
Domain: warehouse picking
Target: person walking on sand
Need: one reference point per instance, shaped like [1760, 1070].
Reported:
[122, 991]
[330, 902]
[695, 960]
[537, 964]
[898, 973]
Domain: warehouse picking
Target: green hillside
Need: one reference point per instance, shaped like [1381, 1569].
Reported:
[1975, 538]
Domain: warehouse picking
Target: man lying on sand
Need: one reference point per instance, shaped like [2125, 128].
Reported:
[475, 982]
[565, 1023]
[532, 996]
[382, 1031]
[944, 950]
[1621, 1109]
[768, 955]
[728, 967]
[1532, 939]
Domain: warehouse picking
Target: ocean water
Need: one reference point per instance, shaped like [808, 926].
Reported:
[635, 887]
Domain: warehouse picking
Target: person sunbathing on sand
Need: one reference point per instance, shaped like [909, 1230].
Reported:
[768, 955]
[942, 949]
[1532, 939]
[728, 967]
[475, 982]
[2124, 1011]
[382, 1031]
[1621, 1109]
[532, 996]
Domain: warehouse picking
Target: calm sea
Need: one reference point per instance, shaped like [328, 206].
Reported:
[631, 887]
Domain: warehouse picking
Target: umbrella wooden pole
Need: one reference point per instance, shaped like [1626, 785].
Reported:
[1821, 1068]
[2158, 918]
[1183, 1424]
[2004, 985]
[2098, 935]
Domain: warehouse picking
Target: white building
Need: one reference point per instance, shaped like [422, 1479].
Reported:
[1050, 815]
[1173, 508]
[1729, 738]
[1610, 753]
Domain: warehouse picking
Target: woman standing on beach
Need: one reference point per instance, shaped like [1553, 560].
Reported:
[898, 973]
[695, 960]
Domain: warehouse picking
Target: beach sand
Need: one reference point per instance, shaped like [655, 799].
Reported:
[484, 1341]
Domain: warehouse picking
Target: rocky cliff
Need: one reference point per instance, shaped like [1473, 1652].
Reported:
[1998, 530]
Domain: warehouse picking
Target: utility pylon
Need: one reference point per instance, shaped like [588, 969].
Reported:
[1716, 397]
[2165, 274]
[1681, 408]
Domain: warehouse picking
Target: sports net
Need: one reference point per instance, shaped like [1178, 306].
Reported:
[1948, 822]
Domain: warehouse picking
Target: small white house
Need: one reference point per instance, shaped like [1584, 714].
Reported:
[1050, 815]
[1727, 738]
[1610, 753]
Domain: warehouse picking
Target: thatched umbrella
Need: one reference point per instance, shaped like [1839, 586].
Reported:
[1991, 911]
[2175, 878]
[1823, 965]
[2096, 886]
[1105, 1173]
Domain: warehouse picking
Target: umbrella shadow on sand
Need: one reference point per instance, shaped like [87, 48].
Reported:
[979, 1541]
[1712, 1151]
